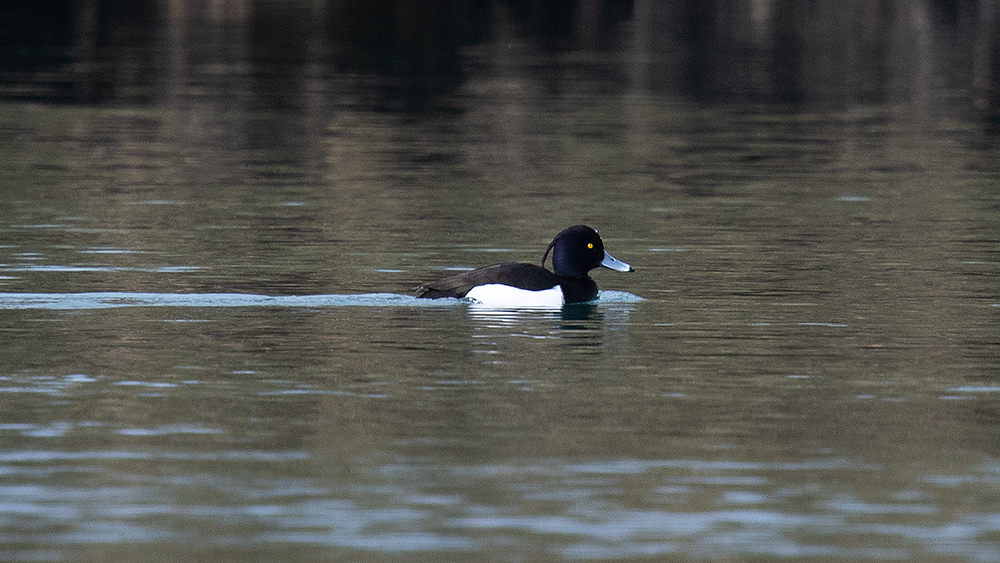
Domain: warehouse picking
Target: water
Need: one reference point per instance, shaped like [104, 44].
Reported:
[209, 348]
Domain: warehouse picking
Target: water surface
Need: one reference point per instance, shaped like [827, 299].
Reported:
[209, 350]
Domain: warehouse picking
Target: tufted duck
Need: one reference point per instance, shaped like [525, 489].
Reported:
[575, 252]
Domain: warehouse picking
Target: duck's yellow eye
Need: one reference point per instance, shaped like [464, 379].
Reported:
[590, 245]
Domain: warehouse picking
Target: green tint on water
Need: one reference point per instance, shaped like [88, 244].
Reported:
[813, 372]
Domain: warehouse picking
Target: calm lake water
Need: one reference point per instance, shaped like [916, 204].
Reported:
[209, 352]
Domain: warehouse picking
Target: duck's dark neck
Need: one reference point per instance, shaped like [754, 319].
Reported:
[578, 290]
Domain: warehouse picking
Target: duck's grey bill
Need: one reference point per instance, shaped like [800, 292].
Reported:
[615, 264]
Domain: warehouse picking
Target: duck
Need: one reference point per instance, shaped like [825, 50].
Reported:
[575, 252]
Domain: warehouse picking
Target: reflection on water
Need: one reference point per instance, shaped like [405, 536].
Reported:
[209, 348]
[295, 54]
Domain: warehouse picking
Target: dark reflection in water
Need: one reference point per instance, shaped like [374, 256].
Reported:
[296, 54]
[581, 312]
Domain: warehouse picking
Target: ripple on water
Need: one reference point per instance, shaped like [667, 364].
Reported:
[45, 384]
[417, 505]
[104, 300]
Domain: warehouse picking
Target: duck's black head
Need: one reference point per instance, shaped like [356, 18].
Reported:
[578, 250]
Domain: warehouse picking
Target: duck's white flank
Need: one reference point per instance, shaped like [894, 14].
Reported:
[507, 297]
